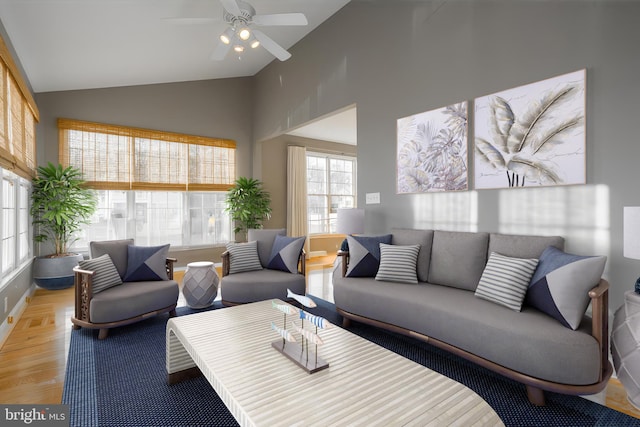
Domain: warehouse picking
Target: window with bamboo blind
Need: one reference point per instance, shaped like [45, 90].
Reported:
[125, 158]
[155, 187]
[18, 116]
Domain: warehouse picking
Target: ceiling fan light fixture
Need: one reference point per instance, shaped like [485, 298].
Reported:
[244, 33]
[227, 36]
[254, 43]
[238, 48]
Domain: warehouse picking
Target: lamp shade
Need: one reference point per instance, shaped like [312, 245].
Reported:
[350, 221]
[631, 232]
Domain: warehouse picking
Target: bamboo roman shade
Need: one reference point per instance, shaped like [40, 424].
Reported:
[18, 116]
[124, 158]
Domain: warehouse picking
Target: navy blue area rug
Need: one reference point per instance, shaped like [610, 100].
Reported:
[121, 381]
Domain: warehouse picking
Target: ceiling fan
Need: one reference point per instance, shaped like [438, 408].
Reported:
[242, 19]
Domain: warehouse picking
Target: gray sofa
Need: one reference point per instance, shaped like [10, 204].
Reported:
[528, 346]
[102, 305]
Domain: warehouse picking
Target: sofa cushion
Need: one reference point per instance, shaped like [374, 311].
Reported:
[285, 253]
[523, 246]
[364, 254]
[117, 250]
[505, 280]
[260, 285]
[243, 257]
[265, 238]
[105, 274]
[146, 263]
[398, 263]
[132, 299]
[561, 283]
[424, 238]
[458, 258]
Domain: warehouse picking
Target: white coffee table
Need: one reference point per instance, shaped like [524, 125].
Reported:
[365, 384]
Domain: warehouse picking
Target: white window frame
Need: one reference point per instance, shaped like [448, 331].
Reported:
[20, 250]
[331, 211]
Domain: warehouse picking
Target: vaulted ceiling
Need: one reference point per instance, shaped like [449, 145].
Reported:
[83, 44]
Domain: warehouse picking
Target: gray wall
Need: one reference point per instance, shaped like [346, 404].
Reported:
[397, 58]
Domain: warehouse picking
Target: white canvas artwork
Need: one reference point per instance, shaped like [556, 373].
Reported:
[533, 135]
[432, 151]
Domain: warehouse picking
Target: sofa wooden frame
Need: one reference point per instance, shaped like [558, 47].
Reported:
[535, 387]
[83, 281]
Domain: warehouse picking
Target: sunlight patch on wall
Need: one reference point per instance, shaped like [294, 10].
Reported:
[578, 213]
[452, 211]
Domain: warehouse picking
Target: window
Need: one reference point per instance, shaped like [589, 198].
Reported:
[331, 184]
[14, 215]
[18, 115]
[159, 217]
[155, 187]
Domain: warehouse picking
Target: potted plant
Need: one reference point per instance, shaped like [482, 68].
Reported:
[249, 204]
[60, 205]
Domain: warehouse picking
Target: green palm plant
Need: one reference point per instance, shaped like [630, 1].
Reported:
[520, 145]
[249, 204]
[61, 205]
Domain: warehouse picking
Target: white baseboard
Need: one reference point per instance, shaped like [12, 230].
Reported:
[16, 313]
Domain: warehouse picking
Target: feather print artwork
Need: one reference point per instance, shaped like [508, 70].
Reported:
[533, 135]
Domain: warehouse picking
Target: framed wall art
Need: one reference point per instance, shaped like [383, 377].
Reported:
[432, 151]
[533, 135]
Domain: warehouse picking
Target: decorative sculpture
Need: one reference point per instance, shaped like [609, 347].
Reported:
[299, 353]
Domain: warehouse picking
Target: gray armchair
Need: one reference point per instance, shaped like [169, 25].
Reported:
[110, 293]
[264, 280]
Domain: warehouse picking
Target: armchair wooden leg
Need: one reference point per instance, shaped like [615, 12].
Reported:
[536, 396]
[103, 334]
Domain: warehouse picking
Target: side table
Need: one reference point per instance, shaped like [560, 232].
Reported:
[200, 284]
[625, 346]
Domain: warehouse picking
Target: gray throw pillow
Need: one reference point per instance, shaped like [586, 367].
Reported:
[243, 257]
[505, 280]
[398, 263]
[105, 274]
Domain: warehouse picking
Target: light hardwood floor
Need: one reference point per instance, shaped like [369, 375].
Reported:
[34, 356]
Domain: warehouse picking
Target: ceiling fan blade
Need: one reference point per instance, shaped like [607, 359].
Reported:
[273, 47]
[232, 7]
[220, 52]
[280, 19]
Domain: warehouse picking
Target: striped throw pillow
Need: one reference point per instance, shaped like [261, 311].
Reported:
[105, 274]
[505, 280]
[243, 257]
[398, 263]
